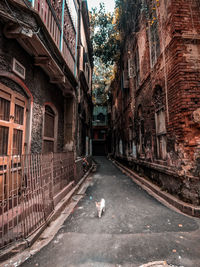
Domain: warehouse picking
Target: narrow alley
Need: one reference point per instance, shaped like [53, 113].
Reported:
[135, 229]
[99, 99]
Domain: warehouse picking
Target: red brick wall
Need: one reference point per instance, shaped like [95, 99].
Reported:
[177, 72]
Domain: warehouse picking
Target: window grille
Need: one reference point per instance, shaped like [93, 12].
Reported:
[17, 142]
[4, 109]
[3, 140]
[19, 69]
[19, 114]
[161, 133]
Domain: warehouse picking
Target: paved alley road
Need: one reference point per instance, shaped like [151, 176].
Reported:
[135, 229]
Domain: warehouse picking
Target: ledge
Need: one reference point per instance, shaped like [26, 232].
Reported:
[158, 167]
[163, 197]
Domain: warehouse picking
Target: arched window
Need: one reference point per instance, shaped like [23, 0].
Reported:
[160, 122]
[141, 130]
[154, 42]
[137, 69]
[49, 129]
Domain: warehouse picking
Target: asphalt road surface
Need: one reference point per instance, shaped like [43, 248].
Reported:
[135, 229]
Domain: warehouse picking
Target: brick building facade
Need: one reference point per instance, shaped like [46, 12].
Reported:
[156, 97]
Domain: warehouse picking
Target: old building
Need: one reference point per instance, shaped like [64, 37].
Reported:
[43, 85]
[156, 95]
[100, 115]
[40, 66]
[100, 128]
[85, 105]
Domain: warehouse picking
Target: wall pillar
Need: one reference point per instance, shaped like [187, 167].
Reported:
[69, 124]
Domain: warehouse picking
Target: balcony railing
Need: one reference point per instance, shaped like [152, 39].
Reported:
[59, 23]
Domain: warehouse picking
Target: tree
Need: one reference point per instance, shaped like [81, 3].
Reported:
[105, 37]
[105, 40]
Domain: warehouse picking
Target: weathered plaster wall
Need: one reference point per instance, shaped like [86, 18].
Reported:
[39, 86]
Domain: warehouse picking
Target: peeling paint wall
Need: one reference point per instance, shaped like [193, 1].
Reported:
[40, 88]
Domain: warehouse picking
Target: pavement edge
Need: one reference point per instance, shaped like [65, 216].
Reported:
[162, 196]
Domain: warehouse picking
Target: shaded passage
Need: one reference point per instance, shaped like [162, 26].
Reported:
[135, 229]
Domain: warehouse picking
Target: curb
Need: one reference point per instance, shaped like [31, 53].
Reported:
[19, 246]
[155, 191]
[155, 264]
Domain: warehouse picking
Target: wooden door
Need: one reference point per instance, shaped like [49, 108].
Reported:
[12, 139]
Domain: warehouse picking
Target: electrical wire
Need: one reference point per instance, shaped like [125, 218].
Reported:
[13, 15]
[16, 19]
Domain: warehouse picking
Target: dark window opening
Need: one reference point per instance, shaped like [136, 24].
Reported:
[4, 109]
[49, 130]
[19, 115]
[101, 117]
[49, 122]
[4, 140]
[17, 142]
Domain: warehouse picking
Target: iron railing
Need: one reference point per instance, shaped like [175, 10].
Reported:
[28, 185]
[51, 20]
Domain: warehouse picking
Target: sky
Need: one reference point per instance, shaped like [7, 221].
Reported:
[109, 4]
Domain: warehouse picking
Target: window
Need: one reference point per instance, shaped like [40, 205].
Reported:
[101, 117]
[158, 100]
[137, 69]
[161, 133]
[12, 122]
[17, 142]
[49, 130]
[3, 140]
[141, 131]
[154, 36]
[4, 109]
[19, 69]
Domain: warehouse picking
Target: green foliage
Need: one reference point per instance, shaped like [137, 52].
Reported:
[127, 13]
[102, 75]
[105, 40]
[105, 37]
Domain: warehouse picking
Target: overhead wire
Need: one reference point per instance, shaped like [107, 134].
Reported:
[17, 20]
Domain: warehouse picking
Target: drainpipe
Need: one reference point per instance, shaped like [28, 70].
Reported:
[76, 48]
[77, 38]
[62, 25]
[77, 55]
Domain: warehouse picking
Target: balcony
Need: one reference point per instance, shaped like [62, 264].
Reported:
[60, 23]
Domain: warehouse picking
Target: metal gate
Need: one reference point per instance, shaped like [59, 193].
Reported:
[28, 184]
